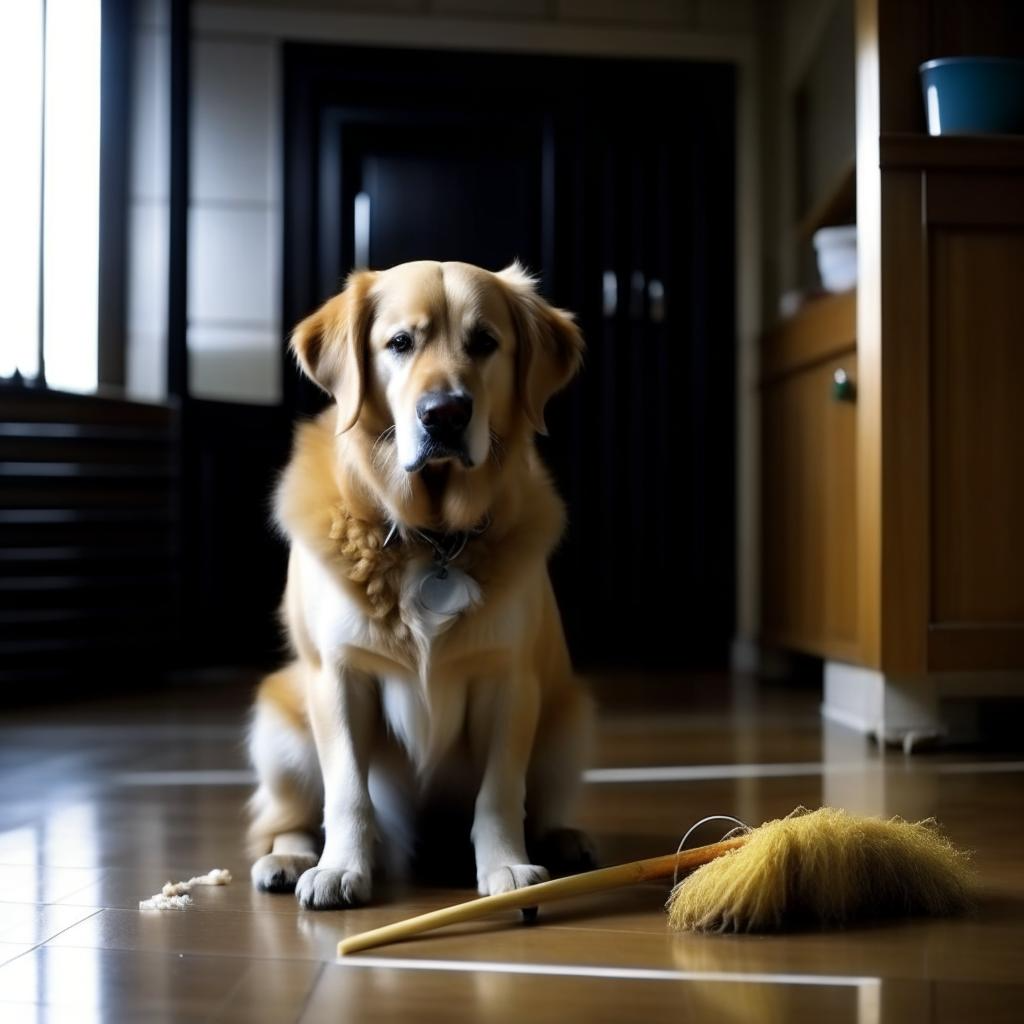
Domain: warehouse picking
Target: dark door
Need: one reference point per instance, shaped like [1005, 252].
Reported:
[647, 461]
[600, 176]
[441, 188]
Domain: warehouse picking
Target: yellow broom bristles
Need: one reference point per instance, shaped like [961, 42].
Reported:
[824, 867]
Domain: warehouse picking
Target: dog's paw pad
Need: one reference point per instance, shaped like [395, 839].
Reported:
[332, 889]
[278, 872]
[511, 876]
[567, 851]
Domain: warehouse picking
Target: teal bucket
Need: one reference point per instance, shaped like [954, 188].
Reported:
[974, 95]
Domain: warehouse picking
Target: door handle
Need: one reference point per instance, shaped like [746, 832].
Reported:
[609, 294]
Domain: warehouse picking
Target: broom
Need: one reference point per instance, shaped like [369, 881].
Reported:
[822, 867]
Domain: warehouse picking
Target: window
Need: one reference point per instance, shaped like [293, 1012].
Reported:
[50, 191]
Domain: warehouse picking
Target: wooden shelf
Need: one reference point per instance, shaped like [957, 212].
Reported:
[951, 152]
[837, 206]
[822, 328]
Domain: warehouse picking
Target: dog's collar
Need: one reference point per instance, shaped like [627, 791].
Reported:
[446, 546]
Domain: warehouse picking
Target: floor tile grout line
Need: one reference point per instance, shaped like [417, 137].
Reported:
[624, 774]
[455, 965]
[284, 913]
[223, 1004]
[309, 992]
[103, 872]
[50, 938]
[608, 972]
[16, 956]
[180, 952]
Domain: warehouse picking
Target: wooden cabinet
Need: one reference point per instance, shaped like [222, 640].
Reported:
[809, 535]
[950, 442]
[893, 529]
[977, 422]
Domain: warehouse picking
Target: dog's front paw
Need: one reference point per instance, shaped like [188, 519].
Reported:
[332, 889]
[509, 877]
[278, 872]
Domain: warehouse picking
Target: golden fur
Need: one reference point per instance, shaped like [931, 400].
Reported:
[500, 676]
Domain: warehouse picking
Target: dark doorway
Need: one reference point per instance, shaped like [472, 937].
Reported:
[614, 180]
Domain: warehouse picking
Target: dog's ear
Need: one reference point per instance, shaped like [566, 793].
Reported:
[549, 345]
[332, 346]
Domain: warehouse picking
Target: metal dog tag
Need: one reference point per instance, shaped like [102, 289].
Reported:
[446, 592]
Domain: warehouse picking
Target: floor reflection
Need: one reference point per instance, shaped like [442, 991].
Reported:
[97, 814]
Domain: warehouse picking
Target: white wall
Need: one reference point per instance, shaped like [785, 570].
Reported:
[149, 203]
[790, 36]
[234, 224]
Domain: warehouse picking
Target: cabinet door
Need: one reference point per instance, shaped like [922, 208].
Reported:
[977, 430]
[809, 554]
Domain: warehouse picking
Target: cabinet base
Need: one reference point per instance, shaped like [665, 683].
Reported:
[911, 711]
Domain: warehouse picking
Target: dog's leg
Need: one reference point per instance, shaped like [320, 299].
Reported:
[503, 719]
[343, 709]
[286, 809]
[292, 854]
[560, 756]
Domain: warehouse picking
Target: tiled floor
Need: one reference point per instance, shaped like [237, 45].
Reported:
[100, 804]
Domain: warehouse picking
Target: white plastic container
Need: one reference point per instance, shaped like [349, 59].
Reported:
[836, 250]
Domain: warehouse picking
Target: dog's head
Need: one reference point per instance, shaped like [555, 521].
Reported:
[450, 356]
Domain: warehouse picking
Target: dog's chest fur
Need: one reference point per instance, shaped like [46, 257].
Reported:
[379, 613]
[351, 597]
[425, 714]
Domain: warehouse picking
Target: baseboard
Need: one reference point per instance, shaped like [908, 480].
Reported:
[909, 711]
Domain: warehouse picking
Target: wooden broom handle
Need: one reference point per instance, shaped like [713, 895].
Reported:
[543, 892]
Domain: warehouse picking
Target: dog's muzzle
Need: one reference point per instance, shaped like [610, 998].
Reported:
[444, 417]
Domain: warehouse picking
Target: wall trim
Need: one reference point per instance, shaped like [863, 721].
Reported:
[445, 33]
[913, 709]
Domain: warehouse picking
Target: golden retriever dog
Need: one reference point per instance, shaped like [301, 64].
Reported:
[428, 653]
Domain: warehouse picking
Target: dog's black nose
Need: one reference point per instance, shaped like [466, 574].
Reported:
[445, 414]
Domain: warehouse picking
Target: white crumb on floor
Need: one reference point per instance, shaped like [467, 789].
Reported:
[175, 888]
[159, 901]
[175, 895]
[218, 876]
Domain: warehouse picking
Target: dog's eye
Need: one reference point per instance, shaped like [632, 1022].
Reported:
[401, 342]
[481, 343]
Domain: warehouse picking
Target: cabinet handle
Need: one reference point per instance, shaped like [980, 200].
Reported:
[843, 389]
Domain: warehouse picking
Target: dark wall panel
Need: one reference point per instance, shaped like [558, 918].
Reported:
[89, 548]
